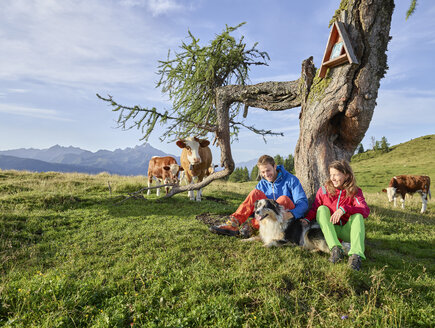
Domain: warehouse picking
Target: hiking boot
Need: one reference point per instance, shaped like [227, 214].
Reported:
[246, 229]
[337, 254]
[230, 228]
[355, 262]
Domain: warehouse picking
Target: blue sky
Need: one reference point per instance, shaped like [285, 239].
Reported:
[56, 55]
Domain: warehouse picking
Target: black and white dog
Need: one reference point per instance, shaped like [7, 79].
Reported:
[276, 231]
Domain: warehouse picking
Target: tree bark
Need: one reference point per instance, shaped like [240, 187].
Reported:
[338, 109]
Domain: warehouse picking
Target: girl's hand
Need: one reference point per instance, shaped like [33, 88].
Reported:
[336, 216]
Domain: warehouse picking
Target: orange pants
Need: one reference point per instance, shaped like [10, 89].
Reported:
[247, 207]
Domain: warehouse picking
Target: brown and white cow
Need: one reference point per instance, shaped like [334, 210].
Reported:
[409, 184]
[196, 160]
[163, 169]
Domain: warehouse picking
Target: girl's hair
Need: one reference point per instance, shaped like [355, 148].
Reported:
[349, 184]
[266, 159]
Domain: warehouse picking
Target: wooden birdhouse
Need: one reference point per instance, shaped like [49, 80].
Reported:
[338, 49]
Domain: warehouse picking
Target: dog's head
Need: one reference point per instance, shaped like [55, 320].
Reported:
[267, 208]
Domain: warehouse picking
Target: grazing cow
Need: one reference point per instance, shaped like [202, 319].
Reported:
[409, 184]
[163, 169]
[196, 160]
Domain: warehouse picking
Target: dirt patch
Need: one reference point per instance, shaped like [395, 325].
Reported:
[212, 219]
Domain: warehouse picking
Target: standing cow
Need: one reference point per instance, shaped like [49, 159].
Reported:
[196, 160]
[409, 184]
[163, 169]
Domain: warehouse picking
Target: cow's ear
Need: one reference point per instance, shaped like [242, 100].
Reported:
[384, 190]
[167, 168]
[180, 143]
[204, 142]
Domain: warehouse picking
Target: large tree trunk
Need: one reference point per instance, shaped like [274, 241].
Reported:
[338, 109]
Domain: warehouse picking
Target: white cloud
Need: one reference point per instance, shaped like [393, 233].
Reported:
[17, 90]
[49, 114]
[159, 7]
[81, 42]
[156, 7]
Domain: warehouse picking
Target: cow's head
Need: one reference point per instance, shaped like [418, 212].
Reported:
[191, 145]
[391, 190]
[391, 193]
[173, 171]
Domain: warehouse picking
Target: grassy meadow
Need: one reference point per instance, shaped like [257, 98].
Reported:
[72, 257]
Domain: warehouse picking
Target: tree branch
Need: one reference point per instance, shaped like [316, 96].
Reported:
[271, 96]
[134, 111]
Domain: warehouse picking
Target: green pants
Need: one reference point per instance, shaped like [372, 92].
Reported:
[353, 231]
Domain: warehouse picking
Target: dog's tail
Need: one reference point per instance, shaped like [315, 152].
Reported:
[314, 239]
[284, 242]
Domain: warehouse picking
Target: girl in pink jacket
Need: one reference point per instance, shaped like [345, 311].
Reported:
[340, 209]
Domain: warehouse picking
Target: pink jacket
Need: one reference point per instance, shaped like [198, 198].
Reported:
[350, 206]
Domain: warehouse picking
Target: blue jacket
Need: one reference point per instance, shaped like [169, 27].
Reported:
[288, 185]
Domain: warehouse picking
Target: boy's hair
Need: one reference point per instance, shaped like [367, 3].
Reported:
[266, 159]
[349, 185]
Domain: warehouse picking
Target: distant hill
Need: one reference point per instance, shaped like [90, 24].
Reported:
[374, 170]
[129, 161]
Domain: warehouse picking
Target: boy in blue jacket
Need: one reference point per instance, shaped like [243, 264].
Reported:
[277, 184]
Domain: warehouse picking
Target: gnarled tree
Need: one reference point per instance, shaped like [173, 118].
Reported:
[335, 111]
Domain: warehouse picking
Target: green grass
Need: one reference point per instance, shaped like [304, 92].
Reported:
[70, 257]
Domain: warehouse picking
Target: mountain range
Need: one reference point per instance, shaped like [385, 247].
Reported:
[128, 161]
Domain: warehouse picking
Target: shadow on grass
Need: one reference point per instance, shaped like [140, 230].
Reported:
[178, 205]
[398, 237]
[411, 214]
